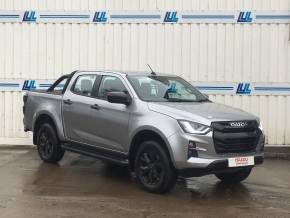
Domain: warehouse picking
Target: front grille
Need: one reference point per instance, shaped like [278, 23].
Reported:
[229, 139]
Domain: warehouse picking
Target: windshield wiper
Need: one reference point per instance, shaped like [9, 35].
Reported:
[179, 100]
[203, 100]
[184, 100]
[174, 99]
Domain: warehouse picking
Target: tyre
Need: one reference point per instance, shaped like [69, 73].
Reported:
[153, 169]
[48, 146]
[234, 177]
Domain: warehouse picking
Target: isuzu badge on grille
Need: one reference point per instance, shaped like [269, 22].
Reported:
[238, 124]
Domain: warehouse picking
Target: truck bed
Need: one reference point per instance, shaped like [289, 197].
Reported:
[41, 100]
[54, 92]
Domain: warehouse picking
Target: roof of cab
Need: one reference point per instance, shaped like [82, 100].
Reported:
[137, 73]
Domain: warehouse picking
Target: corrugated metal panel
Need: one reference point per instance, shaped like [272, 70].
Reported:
[145, 4]
[198, 52]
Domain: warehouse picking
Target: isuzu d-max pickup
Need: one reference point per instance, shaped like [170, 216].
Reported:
[159, 125]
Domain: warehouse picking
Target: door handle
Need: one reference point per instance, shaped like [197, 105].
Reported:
[67, 101]
[95, 107]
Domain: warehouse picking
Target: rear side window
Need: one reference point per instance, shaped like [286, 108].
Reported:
[84, 85]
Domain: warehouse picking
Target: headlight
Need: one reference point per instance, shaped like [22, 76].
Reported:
[194, 128]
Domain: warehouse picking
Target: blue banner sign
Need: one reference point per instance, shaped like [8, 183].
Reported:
[215, 88]
[153, 16]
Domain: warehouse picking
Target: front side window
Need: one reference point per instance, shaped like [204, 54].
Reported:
[110, 84]
[84, 85]
[165, 88]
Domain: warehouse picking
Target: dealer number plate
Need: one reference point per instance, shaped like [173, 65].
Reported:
[241, 161]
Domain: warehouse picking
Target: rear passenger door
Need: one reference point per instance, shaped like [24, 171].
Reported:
[78, 117]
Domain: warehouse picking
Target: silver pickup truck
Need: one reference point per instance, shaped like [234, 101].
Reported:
[159, 125]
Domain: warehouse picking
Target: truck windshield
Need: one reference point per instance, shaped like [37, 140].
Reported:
[165, 88]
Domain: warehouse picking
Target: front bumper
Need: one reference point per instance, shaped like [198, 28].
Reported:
[206, 155]
[213, 166]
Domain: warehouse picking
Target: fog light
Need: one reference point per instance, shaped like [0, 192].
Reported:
[192, 152]
[191, 145]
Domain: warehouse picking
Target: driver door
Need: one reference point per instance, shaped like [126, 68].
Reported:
[110, 120]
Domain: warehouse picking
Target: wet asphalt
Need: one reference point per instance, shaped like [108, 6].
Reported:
[83, 187]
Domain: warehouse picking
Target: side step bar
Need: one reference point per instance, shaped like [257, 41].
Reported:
[98, 153]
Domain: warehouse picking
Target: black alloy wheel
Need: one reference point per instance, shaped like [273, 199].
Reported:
[45, 146]
[48, 145]
[153, 169]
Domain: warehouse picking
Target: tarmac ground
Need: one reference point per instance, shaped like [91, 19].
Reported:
[83, 187]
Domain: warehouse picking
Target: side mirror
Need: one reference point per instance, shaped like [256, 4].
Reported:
[119, 98]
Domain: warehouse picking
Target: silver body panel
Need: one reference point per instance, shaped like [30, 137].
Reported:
[114, 125]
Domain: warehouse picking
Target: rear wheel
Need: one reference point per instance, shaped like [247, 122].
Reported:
[234, 177]
[153, 169]
[48, 146]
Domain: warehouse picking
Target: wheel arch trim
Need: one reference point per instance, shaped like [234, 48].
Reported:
[45, 115]
[156, 132]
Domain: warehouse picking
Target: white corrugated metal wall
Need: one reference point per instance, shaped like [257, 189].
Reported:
[198, 52]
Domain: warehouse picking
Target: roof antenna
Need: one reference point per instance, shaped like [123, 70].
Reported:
[152, 71]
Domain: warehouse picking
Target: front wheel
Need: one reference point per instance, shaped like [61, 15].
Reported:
[153, 168]
[234, 177]
[48, 146]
